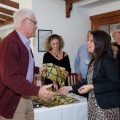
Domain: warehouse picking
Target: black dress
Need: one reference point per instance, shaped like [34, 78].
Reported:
[64, 62]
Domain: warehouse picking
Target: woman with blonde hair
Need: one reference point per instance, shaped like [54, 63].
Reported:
[54, 45]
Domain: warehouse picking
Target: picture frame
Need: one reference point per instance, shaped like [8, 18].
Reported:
[42, 35]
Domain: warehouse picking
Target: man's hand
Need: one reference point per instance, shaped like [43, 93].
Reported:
[44, 93]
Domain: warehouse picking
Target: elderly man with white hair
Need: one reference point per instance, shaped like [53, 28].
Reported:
[17, 70]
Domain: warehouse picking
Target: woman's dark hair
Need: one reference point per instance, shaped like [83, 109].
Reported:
[102, 43]
[50, 38]
[54, 36]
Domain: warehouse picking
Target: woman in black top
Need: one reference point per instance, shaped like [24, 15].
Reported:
[53, 45]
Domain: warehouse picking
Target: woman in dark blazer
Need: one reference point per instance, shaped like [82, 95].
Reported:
[103, 83]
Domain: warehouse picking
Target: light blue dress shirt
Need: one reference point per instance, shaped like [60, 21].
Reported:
[26, 42]
[82, 60]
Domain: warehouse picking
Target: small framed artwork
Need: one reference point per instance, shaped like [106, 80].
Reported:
[42, 35]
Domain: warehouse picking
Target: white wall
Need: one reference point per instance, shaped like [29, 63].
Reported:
[4, 32]
[51, 15]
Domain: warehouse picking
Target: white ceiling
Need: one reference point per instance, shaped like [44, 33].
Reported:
[94, 3]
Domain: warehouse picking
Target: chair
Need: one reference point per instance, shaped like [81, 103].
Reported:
[35, 80]
[72, 79]
[38, 77]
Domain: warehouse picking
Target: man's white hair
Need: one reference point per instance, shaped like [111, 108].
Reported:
[21, 14]
[117, 28]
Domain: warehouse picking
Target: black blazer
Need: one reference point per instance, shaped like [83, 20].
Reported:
[106, 83]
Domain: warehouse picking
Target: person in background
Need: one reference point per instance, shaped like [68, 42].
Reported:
[103, 83]
[53, 45]
[116, 46]
[17, 70]
[82, 60]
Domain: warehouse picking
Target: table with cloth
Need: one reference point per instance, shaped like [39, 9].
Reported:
[72, 111]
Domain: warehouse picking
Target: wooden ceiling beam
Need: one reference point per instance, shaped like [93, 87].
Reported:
[5, 23]
[1, 21]
[6, 11]
[72, 1]
[6, 15]
[68, 9]
[10, 3]
[2, 16]
[69, 6]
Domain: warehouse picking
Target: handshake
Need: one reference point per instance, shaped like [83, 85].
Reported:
[44, 93]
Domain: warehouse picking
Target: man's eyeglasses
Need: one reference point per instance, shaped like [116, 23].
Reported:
[31, 21]
[115, 33]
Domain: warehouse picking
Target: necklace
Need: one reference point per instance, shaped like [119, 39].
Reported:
[56, 54]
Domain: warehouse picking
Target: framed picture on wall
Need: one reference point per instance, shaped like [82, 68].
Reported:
[42, 35]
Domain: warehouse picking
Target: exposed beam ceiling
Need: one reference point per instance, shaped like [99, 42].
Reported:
[6, 12]
[10, 3]
[8, 18]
